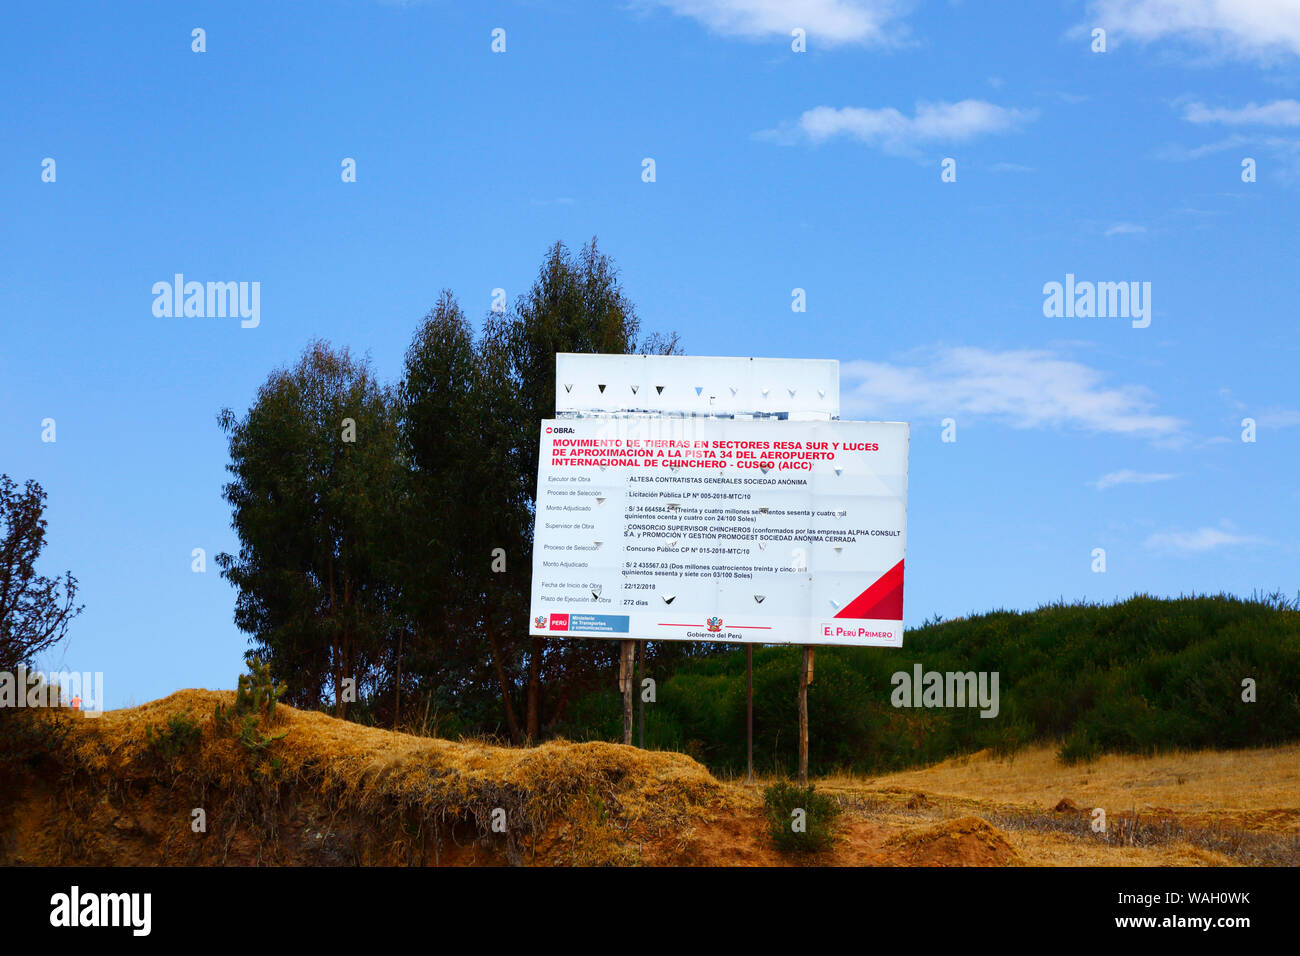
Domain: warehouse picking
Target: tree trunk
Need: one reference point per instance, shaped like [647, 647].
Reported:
[534, 725]
[397, 707]
[511, 722]
[343, 674]
[561, 706]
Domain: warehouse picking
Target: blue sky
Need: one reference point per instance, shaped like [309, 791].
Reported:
[775, 170]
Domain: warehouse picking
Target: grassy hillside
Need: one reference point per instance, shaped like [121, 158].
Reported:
[308, 789]
[1143, 676]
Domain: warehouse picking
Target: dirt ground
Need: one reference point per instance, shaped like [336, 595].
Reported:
[329, 792]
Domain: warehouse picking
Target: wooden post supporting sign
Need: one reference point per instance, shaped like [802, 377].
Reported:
[626, 672]
[805, 678]
[749, 710]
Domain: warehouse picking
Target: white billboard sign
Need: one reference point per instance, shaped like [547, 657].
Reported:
[697, 385]
[746, 531]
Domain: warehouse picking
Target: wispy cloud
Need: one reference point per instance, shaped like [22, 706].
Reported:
[1278, 418]
[1010, 168]
[1021, 388]
[1227, 396]
[1199, 541]
[1253, 29]
[1125, 229]
[1283, 152]
[1129, 477]
[1180, 154]
[1277, 113]
[831, 22]
[1274, 416]
[895, 132]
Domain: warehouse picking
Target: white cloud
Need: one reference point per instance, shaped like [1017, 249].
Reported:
[1197, 542]
[896, 132]
[1277, 113]
[831, 22]
[1021, 388]
[1283, 153]
[1129, 477]
[1257, 29]
[1010, 168]
[1180, 154]
[1125, 229]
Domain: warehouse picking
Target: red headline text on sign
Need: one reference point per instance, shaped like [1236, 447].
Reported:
[682, 453]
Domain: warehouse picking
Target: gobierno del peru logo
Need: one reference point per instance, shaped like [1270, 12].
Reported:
[714, 624]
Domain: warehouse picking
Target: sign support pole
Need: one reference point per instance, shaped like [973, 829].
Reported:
[626, 658]
[805, 678]
[640, 706]
[749, 710]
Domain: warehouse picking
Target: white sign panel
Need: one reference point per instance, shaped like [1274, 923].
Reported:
[705, 385]
[772, 532]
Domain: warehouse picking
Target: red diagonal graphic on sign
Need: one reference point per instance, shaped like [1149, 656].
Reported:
[883, 601]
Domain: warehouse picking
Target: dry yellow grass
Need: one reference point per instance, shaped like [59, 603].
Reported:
[333, 792]
[569, 802]
[1053, 849]
[1209, 808]
[961, 841]
[1250, 785]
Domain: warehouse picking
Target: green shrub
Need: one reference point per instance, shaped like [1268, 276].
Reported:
[1079, 747]
[254, 707]
[29, 736]
[787, 806]
[180, 734]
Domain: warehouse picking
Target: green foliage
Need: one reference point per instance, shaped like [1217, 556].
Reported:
[254, 707]
[29, 736]
[316, 480]
[782, 800]
[1141, 676]
[463, 500]
[257, 692]
[374, 559]
[35, 611]
[181, 733]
